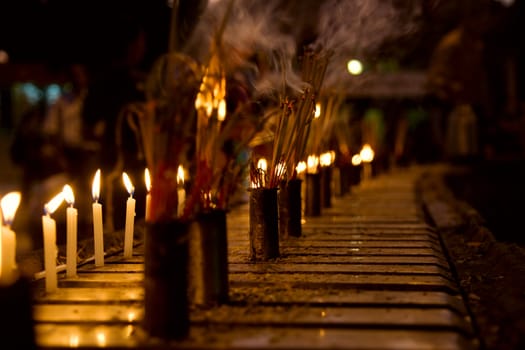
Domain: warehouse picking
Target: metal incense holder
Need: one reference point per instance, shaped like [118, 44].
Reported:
[313, 195]
[208, 263]
[166, 313]
[264, 224]
[290, 203]
[355, 175]
[344, 179]
[16, 304]
[326, 186]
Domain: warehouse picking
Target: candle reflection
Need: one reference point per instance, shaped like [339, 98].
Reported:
[74, 341]
[101, 339]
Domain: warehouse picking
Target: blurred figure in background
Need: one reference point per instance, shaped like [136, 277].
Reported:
[64, 121]
[458, 83]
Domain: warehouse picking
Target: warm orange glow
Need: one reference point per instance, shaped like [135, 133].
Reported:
[199, 101]
[317, 110]
[311, 164]
[128, 184]
[325, 159]
[74, 340]
[9, 204]
[301, 167]
[367, 153]
[262, 164]
[101, 339]
[180, 175]
[356, 159]
[221, 111]
[147, 179]
[69, 197]
[95, 188]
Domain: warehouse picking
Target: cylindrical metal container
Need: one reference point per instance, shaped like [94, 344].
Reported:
[166, 310]
[208, 262]
[264, 224]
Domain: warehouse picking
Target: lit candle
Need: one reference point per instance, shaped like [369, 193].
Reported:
[50, 238]
[147, 180]
[71, 226]
[9, 204]
[130, 217]
[300, 168]
[181, 193]
[97, 221]
[262, 165]
[312, 163]
[367, 156]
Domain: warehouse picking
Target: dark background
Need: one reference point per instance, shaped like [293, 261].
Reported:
[55, 32]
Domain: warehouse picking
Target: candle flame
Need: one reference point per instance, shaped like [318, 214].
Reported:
[367, 154]
[180, 175]
[262, 164]
[311, 164]
[128, 184]
[101, 339]
[356, 160]
[9, 204]
[147, 179]
[221, 111]
[68, 195]
[54, 203]
[317, 110]
[95, 188]
[199, 101]
[209, 107]
[74, 341]
[325, 159]
[301, 167]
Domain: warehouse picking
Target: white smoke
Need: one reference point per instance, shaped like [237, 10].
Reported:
[252, 32]
[356, 28]
[272, 29]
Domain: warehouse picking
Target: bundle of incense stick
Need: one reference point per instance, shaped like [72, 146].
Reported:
[295, 119]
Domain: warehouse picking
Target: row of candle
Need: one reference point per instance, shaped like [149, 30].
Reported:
[49, 230]
[49, 225]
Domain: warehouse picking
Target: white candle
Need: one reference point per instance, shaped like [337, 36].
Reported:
[71, 225]
[7, 253]
[98, 237]
[130, 217]
[50, 248]
[181, 192]
[9, 204]
[147, 180]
